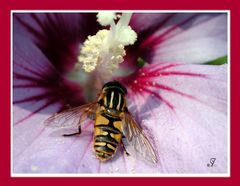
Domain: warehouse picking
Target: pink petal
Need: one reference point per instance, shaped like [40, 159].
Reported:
[184, 100]
[57, 35]
[187, 38]
[50, 152]
[47, 151]
[36, 81]
[38, 89]
[149, 22]
[183, 109]
[185, 118]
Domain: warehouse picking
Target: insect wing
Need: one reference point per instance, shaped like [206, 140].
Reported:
[72, 117]
[137, 139]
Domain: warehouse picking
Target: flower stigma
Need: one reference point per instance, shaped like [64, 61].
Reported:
[104, 51]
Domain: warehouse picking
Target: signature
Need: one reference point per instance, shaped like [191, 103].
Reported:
[211, 162]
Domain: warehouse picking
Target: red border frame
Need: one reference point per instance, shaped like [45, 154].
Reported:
[5, 13]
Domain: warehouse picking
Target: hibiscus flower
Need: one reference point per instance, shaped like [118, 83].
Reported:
[178, 99]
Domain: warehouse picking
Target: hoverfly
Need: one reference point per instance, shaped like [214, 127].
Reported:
[113, 122]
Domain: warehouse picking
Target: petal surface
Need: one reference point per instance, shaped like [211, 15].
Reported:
[184, 114]
[39, 88]
[57, 35]
[183, 109]
[183, 37]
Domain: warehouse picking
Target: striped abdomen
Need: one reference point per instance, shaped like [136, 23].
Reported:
[107, 135]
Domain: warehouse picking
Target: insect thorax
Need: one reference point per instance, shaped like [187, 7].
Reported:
[114, 100]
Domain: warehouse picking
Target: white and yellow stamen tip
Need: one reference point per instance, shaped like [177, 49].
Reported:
[105, 50]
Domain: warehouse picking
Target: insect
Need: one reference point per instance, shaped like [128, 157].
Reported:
[113, 123]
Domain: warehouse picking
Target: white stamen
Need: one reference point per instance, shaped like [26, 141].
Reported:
[105, 17]
[105, 50]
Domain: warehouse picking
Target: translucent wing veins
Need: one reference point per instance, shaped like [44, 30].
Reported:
[137, 139]
[73, 116]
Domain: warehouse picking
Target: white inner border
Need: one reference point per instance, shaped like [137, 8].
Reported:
[122, 175]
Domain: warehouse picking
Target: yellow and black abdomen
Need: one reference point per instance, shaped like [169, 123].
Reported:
[107, 135]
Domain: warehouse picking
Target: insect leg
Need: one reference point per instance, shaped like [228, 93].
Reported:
[124, 149]
[73, 134]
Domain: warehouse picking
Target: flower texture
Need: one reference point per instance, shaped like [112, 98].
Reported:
[178, 100]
